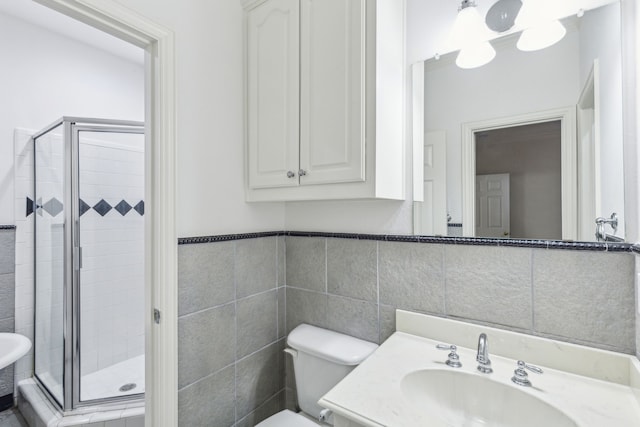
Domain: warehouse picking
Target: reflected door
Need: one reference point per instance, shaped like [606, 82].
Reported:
[492, 205]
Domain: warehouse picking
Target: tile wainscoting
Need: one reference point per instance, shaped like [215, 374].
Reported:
[7, 306]
[231, 328]
[240, 295]
[355, 285]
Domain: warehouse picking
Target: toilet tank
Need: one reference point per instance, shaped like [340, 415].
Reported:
[322, 359]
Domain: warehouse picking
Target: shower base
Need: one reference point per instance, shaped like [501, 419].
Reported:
[38, 411]
[109, 381]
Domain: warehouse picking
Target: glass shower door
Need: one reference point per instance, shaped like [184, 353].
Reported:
[50, 227]
[111, 276]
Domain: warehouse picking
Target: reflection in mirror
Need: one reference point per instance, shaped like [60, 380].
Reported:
[547, 125]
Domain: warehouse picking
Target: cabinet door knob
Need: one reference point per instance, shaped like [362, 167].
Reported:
[302, 172]
[290, 174]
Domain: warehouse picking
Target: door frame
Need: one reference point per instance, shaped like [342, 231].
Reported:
[589, 96]
[161, 252]
[568, 154]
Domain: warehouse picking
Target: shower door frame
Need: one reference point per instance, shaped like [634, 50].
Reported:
[72, 126]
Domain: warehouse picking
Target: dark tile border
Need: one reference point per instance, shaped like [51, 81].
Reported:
[472, 241]
[227, 237]
[7, 227]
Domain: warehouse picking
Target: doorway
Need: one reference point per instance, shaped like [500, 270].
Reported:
[565, 119]
[160, 172]
[519, 195]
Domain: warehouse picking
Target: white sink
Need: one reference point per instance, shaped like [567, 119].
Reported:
[12, 348]
[406, 383]
[468, 399]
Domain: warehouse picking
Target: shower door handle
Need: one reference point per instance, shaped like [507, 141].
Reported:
[77, 258]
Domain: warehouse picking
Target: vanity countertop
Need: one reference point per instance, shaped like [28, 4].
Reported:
[603, 393]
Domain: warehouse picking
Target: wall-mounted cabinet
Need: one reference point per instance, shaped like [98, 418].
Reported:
[325, 84]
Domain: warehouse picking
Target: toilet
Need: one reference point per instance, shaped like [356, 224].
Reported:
[321, 358]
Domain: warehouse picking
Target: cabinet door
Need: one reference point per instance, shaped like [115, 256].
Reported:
[273, 93]
[332, 78]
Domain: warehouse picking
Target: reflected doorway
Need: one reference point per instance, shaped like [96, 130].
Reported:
[519, 181]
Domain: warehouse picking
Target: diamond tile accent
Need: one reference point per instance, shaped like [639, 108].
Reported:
[30, 206]
[102, 207]
[139, 207]
[83, 207]
[123, 207]
[53, 207]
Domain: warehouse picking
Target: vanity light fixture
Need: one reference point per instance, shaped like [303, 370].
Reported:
[471, 35]
[541, 28]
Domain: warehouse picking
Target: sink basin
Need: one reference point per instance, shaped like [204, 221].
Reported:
[464, 399]
[12, 348]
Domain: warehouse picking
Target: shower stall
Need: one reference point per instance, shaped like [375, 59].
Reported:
[89, 232]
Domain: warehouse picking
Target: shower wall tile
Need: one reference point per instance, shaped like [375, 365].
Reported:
[24, 247]
[489, 284]
[230, 326]
[596, 295]
[256, 268]
[306, 263]
[209, 401]
[205, 276]
[352, 268]
[112, 240]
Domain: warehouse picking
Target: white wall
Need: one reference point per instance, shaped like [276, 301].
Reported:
[45, 76]
[209, 51]
[514, 83]
[600, 39]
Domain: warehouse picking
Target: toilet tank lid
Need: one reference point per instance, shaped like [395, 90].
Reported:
[332, 346]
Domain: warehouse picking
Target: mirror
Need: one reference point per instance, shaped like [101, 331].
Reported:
[528, 146]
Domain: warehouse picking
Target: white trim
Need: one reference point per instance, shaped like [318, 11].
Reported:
[567, 116]
[417, 126]
[161, 288]
[590, 95]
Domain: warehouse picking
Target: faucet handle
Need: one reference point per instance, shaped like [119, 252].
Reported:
[453, 359]
[484, 363]
[520, 375]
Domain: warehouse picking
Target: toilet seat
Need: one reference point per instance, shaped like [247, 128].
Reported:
[287, 418]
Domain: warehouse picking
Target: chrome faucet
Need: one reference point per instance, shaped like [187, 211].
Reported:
[484, 363]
